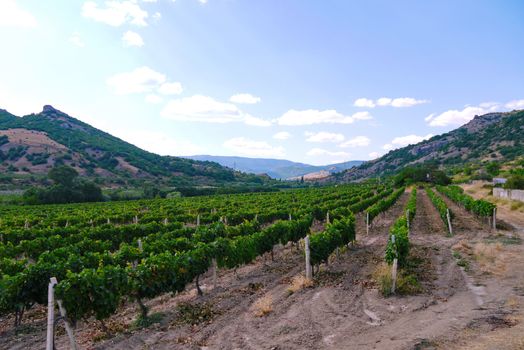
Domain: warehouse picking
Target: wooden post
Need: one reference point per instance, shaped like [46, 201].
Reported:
[394, 268]
[290, 217]
[140, 247]
[50, 340]
[135, 220]
[214, 264]
[67, 223]
[495, 218]
[449, 222]
[394, 275]
[198, 220]
[165, 222]
[308, 259]
[407, 217]
[256, 217]
[327, 218]
[108, 221]
[26, 224]
[69, 329]
[367, 223]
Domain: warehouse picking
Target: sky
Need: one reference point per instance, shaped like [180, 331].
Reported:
[314, 81]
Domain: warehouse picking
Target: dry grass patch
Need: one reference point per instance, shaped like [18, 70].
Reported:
[299, 283]
[263, 306]
[382, 275]
[490, 257]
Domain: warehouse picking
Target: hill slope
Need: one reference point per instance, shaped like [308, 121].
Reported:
[493, 136]
[276, 168]
[35, 143]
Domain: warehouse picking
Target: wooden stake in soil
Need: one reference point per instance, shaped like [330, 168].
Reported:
[449, 222]
[494, 218]
[308, 258]
[327, 218]
[198, 220]
[50, 340]
[68, 328]
[394, 268]
[214, 265]
[367, 223]
[140, 247]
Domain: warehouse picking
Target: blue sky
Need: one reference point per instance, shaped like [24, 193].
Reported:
[312, 81]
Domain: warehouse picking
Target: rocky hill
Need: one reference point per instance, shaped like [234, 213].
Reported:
[33, 144]
[493, 137]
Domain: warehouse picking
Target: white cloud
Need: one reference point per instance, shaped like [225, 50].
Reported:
[202, 1]
[174, 88]
[200, 108]
[154, 99]
[457, 117]
[403, 141]
[364, 102]
[515, 104]
[76, 40]
[116, 13]
[313, 116]
[317, 152]
[386, 101]
[374, 155]
[248, 147]
[131, 38]
[11, 15]
[323, 136]
[157, 16]
[429, 117]
[140, 80]
[358, 141]
[244, 99]
[282, 135]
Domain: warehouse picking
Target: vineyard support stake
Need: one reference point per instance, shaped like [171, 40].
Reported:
[394, 268]
[68, 328]
[448, 216]
[309, 275]
[494, 218]
[214, 264]
[50, 340]
[367, 223]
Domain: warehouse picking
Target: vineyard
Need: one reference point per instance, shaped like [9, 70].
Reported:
[110, 256]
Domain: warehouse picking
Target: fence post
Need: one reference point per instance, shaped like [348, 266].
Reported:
[198, 220]
[214, 264]
[68, 328]
[495, 218]
[327, 218]
[140, 247]
[448, 216]
[50, 340]
[394, 268]
[367, 222]
[407, 217]
[308, 259]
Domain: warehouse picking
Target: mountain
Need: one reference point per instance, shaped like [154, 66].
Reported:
[489, 137]
[31, 145]
[275, 168]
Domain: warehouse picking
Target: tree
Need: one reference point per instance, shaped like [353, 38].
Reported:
[63, 175]
[515, 182]
[493, 168]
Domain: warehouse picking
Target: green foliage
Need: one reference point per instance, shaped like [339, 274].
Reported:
[441, 206]
[515, 182]
[493, 168]
[423, 173]
[399, 246]
[67, 189]
[478, 207]
[337, 234]
[384, 204]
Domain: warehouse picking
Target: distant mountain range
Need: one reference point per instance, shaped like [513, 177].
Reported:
[33, 144]
[277, 168]
[489, 137]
